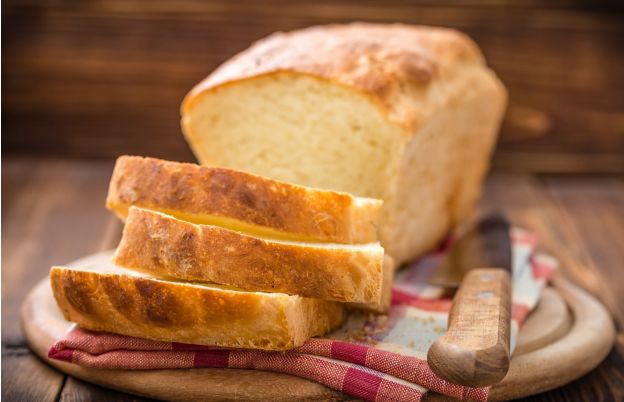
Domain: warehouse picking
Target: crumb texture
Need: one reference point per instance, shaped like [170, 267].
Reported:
[400, 113]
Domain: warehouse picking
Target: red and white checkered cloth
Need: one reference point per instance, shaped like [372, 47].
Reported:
[380, 358]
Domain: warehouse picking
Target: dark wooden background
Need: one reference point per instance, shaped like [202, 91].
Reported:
[99, 78]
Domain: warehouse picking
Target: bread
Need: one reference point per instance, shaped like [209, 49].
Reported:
[241, 201]
[164, 246]
[402, 113]
[383, 306]
[127, 303]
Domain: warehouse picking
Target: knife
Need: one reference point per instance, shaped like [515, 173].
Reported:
[475, 349]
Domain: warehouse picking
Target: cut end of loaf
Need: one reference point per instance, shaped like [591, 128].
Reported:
[315, 132]
[408, 114]
[290, 122]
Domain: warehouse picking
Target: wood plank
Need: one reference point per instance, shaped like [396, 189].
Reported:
[26, 378]
[547, 162]
[52, 212]
[79, 391]
[594, 207]
[100, 75]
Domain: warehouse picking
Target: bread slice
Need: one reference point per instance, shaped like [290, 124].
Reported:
[164, 246]
[241, 201]
[382, 307]
[128, 303]
[407, 114]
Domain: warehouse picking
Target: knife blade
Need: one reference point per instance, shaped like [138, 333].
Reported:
[475, 349]
[485, 244]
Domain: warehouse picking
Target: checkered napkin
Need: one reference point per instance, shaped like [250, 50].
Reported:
[376, 358]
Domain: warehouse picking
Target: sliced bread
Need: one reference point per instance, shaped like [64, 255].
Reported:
[241, 201]
[129, 303]
[164, 246]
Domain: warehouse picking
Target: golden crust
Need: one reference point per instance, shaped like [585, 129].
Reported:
[177, 312]
[269, 207]
[379, 59]
[163, 246]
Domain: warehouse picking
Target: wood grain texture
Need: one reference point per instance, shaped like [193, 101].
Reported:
[42, 222]
[595, 216]
[590, 322]
[555, 323]
[41, 226]
[102, 78]
[475, 349]
[26, 378]
[53, 213]
[75, 390]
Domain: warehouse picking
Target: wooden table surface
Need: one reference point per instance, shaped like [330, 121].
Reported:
[53, 212]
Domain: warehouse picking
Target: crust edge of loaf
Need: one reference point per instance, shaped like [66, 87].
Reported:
[164, 246]
[260, 204]
[174, 312]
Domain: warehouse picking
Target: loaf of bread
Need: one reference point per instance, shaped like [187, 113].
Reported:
[164, 246]
[402, 113]
[241, 201]
[125, 302]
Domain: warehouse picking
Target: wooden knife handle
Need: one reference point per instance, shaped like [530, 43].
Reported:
[475, 349]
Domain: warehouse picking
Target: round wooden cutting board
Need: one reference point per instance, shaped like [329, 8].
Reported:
[567, 335]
